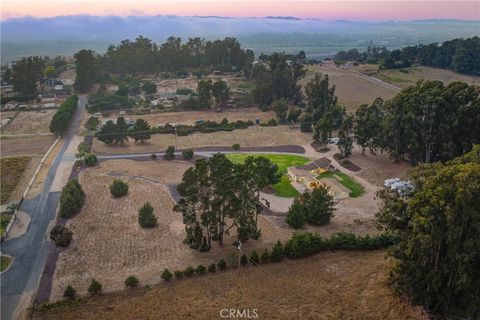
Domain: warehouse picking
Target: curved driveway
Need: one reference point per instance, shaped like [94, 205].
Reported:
[30, 250]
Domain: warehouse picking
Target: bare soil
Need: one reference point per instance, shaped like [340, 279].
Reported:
[189, 117]
[330, 285]
[30, 122]
[255, 136]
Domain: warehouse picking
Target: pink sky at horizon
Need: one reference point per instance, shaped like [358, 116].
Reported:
[319, 9]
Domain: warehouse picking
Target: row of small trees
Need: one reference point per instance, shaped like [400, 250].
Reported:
[64, 115]
[119, 132]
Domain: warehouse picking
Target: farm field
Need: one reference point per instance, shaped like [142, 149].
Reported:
[255, 136]
[330, 285]
[283, 188]
[108, 242]
[189, 117]
[352, 89]
[12, 171]
[409, 76]
[29, 122]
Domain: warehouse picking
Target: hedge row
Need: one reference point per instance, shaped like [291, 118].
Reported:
[72, 199]
[62, 118]
[205, 127]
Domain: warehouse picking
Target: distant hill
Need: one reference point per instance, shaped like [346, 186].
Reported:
[65, 35]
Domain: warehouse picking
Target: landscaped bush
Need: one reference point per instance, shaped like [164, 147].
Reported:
[222, 265]
[200, 269]
[189, 272]
[90, 159]
[277, 252]
[72, 199]
[118, 188]
[243, 260]
[61, 235]
[212, 268]
[265, 257]
[82, 149]
[236, 146]
[146, 216]
[254, 258]
[271, 123]
[166, 275]
[169, 153]
[69, 292]
[131, 281]
[92, 123]
[153, 156]
[178, 274]
[187, 154]
[95, 287]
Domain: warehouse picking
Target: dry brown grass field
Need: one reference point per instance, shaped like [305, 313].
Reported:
[189, 117]
[108, 242]
[330, 285]
[30, 122]
[255, 136]
[32, 146]
[13, 172]
[352, 88]
[414, 74]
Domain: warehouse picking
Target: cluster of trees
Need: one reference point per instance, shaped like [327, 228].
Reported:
[299, 57]
[204, 127]
[101, 101]
[459, 55]
[144, 56]
[277, 80]
[315, 207]
[118, 133]
[72, 199]
[64, 115]
[438, 230]
[207, 89]
[218, 196]
[425, 123]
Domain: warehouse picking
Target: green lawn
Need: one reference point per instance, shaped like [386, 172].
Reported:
[4, 221]
[283, 161]
[355, 188]
[4, 262]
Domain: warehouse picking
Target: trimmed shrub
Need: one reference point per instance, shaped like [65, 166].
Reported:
[265, 257]
[61, 235]
[178, 274]
[131, 281]
[200, 269]
[72, 199]
[187, 154]
[189, 272]
[146, 216]
[166, 275]
[236, 146]
[277, 252]
[118, 188]
[69, 292]
[222, 265]
[95, 287]
[243, 260]
[90, 159]
[254, 258]
[153, 156]
[212, 268]
[92, 123]
[169, 153]
[82, 149]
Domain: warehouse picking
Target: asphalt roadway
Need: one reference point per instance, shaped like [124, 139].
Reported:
[30, 250]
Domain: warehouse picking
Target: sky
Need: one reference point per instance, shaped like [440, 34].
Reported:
[317, 9]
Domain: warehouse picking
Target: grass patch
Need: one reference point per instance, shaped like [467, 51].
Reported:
[11, 170]
[356, 189]
[4, 221]
[284, 188]
[4, 262]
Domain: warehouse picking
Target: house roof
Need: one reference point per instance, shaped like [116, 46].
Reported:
[319, 163]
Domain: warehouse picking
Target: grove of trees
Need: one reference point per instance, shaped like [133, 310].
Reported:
[118, 133]
[218, 197]
[64, 115]
[437, 228]
[315, 207]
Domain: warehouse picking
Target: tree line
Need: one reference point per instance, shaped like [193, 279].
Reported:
[460, 55]
[117, 133]
[143, 56]
[218, 197]
[64, 115]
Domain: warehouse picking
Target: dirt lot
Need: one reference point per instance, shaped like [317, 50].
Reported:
[351, 88]
[171, 85]
[330, 285]
[191, 116]
[255, 136]
[30, 122]
[108, 242]
[405, 79]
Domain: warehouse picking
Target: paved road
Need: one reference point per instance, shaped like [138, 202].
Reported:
[30, 250]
